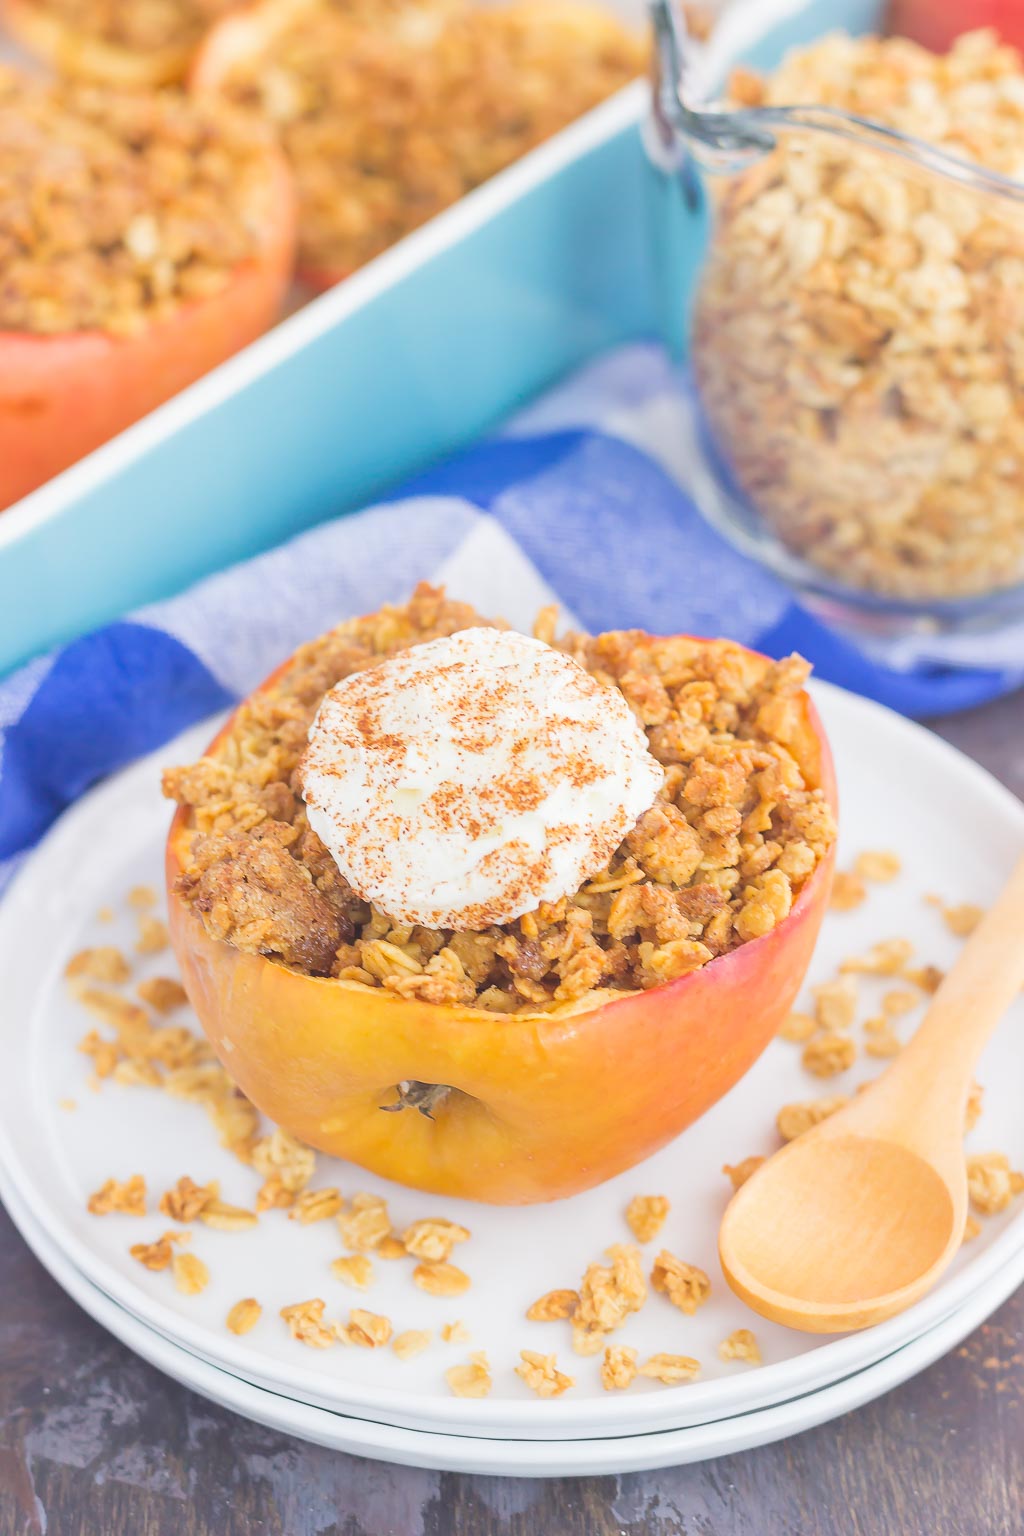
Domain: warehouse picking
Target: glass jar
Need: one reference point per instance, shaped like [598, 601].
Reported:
[857, 354]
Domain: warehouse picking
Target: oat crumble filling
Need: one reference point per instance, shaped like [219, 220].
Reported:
[738, 828]
[118, 207]
[386, 125]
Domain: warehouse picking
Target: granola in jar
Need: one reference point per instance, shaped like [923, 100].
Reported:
[857, 329]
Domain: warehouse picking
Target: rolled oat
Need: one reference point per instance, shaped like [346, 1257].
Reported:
[190, 1274]
[412, 1342]
[553, 1306]
[670, 1369]
[441, 1279]
[244, 1315]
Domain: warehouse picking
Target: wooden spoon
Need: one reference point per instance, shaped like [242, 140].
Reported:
[858, 1218]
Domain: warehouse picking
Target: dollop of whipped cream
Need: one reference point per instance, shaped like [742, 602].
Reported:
[462, 782]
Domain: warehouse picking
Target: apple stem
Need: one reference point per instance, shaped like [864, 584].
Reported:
[421, 1096]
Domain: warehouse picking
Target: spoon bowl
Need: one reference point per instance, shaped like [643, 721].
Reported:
[857, 1219]
[861, 1228]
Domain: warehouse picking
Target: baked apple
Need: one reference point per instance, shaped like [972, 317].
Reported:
[488, 927]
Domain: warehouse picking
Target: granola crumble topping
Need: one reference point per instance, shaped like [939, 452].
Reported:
[386, 125]
[739, 827]
[119, 207]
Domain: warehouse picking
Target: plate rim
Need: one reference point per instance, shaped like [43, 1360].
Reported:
[782, 1380]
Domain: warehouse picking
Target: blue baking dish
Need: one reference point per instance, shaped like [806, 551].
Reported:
[426, 348]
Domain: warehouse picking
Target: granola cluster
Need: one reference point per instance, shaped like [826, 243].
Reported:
[719, 859]
[117, 207]
[858, 328]
[608, 1295]
[386, 125]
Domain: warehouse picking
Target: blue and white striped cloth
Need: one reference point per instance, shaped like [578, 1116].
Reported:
[581, 500]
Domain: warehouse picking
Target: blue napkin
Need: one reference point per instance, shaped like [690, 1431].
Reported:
[582, 500]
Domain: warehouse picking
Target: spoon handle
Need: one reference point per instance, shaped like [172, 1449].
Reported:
[974, 995]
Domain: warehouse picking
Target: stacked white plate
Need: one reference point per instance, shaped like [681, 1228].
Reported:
[957, 832]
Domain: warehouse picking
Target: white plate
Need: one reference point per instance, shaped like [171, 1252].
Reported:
[513, 1458]
[958, 831]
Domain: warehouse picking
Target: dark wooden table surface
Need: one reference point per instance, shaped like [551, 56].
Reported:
[95, 1443]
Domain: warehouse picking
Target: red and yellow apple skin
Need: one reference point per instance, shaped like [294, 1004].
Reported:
[543, 1106]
